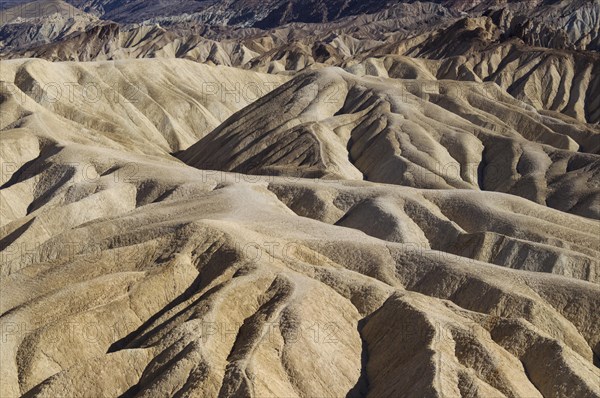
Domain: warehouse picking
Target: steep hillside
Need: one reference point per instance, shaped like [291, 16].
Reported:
[293, 198]
[174, 280]
[419, 133]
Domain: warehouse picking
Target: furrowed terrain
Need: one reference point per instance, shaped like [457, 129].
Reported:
[385, 211]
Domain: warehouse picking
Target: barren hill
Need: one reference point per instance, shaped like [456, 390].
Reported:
[300, 199]
[178, 281]
[420, 133]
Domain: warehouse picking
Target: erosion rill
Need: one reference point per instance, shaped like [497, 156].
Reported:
[290, 198]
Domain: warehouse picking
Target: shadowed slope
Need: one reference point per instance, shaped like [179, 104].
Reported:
[420, 133]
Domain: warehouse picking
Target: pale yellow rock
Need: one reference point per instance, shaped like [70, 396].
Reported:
[126, 272]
